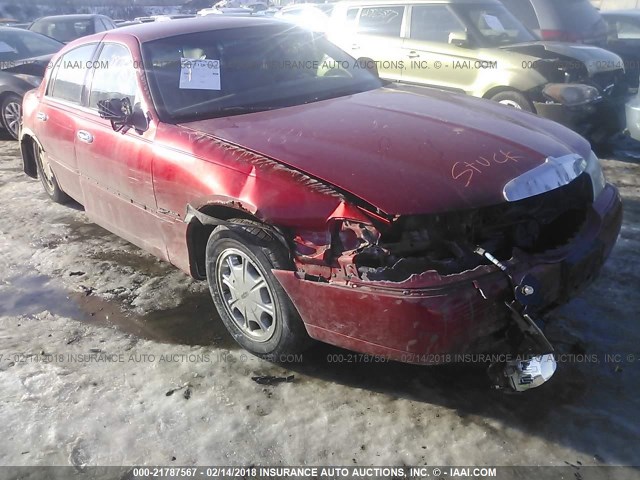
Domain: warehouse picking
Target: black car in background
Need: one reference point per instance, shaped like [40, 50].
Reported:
[66, 28]
[575, 21]
[624, 39]
[24, 57]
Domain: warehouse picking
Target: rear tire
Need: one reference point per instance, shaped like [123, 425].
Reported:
[514, 99]
[48, 178]
[252, 304]
[11, 113]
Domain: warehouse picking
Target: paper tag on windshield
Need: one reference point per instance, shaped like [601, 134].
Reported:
[196, 74]
[493, 23]
[6, 48]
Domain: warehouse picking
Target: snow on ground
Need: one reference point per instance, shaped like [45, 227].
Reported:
[72, 294]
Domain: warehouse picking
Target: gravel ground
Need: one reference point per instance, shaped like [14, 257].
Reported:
[179, 391]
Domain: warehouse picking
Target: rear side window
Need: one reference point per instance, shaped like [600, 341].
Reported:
[114, 76]
[433, 23]
[99, 25]
[523, 11]
[384, 21]
[625, 29]
[69, 72]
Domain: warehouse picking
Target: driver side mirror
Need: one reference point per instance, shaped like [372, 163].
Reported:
[368, 64]
[459, 39]
[123, 115]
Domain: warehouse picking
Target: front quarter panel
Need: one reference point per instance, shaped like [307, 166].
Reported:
[193, 169]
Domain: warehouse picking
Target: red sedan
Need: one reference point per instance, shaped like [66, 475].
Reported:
[318, 201]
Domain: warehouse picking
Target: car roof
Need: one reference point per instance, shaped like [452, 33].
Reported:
[413, 2]
[147, 32]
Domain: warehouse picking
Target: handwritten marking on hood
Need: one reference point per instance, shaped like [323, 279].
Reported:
[467, 171]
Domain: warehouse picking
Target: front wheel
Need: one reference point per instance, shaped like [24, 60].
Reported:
[251, 302]
[513, 99]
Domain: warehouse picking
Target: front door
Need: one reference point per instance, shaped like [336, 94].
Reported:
[115, 167]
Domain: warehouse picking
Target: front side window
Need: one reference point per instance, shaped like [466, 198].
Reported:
[494, 25]
[383, 21]
[227, 72]
[67, 80]
[114, 76]
[434, 23]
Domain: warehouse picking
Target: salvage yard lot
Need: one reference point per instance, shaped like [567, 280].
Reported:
[178, 390]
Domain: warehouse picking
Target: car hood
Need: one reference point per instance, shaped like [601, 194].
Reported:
[595, 59]
[403, 150]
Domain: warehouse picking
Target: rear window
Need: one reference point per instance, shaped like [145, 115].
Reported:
[384, 21]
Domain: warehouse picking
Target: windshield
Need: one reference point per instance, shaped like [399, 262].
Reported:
[22, 44]
[494, 25]
[226, 72]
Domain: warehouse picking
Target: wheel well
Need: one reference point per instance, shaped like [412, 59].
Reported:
[28, 156]
[496, 90]
[198, 235]
[502, 89]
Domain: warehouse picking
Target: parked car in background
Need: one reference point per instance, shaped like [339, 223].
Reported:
[561, 20]
[624, 39]
[247, 10]
[319, 201]
[481, 49]
[24, 57]
[633, 117]
[66, 28]
[314, 16]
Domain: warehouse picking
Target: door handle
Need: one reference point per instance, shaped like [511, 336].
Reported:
[413, 54]
[42, 116]
[85, 136]
[355, 46]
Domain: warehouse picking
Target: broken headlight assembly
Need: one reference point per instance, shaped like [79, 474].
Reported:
[571, 95]
[594, 170]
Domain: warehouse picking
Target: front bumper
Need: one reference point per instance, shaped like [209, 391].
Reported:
[430, 325]
[595, 121]
[633, 117]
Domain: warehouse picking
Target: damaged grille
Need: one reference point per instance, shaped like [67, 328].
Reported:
[445, 243]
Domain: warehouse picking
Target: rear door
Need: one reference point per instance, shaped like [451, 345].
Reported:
[115, 167]
[57, 116]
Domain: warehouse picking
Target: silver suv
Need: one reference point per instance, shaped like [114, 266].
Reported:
[479, 48]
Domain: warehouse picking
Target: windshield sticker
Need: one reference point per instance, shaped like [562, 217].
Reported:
[6, 48]
[493, 22]
[196, 74]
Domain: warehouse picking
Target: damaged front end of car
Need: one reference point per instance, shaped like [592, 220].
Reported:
[587, 96]
[426, 288]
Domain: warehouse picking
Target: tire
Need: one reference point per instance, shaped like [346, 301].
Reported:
[48, 178]
[252, 304]
[11, 114]
[514, 99]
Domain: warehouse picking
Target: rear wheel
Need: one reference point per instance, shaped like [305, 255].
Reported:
[251, 302]
[513, 99]
[48, 178]
[11, 112]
